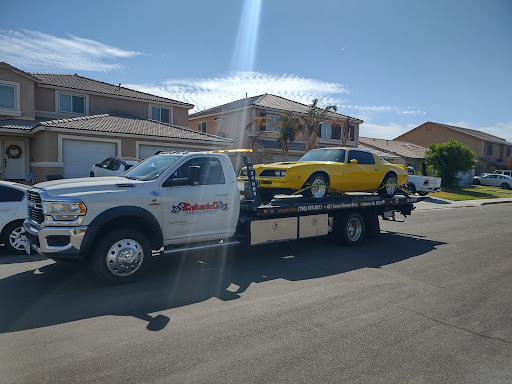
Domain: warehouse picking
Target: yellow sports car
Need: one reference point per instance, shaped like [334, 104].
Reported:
[329, 170]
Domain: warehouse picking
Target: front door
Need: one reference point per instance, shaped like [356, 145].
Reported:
[363, 176]
[14, 160]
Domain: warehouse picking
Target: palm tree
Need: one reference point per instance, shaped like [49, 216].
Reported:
[290, 129]
[260, 121]
[345, 126]
[314, 116]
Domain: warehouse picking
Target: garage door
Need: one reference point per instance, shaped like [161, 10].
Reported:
[80, 156]
[146, 151]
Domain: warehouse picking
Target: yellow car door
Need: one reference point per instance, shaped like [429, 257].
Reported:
[363, 174]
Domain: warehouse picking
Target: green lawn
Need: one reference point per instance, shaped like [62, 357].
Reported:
[472, 193]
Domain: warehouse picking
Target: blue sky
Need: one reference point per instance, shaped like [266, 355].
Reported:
[394, 64]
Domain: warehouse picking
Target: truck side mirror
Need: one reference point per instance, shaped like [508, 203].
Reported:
[353, 161]
[194, 175]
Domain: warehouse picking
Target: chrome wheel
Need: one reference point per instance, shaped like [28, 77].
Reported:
[354, 229]
[391, 185]
[17, 238]
[124, 257]
[318, 188]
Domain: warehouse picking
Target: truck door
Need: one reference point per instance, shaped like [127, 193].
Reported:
[200, 212]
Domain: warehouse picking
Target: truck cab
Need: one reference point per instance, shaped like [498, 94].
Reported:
[169, 199]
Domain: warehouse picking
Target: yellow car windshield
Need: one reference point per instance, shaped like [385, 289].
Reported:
[337, 155]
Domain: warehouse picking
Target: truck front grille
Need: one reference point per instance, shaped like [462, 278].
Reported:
[34, 207]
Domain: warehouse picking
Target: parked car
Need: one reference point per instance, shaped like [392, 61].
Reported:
[494, 180]
[330, 170]
[113, 166]
[422, 184]
[13, 211]
[506, 172]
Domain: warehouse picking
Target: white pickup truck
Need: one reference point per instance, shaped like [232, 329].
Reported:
[175, 202]
[422, 184]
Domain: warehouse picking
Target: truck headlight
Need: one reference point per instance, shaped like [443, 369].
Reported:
[64, 210]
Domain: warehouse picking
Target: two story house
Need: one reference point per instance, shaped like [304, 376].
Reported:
[61, 124]
[491, 151]
[230, 121]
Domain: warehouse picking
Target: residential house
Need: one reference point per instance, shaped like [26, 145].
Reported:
[404, 153]
[491, 151]
[230, 121]
[62, 124]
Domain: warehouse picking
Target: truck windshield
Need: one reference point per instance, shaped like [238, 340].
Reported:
[150, 168]
[337, 155]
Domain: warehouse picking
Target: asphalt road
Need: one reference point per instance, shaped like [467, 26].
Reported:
[428, 302]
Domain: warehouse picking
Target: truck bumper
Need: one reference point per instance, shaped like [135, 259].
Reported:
[56, 242]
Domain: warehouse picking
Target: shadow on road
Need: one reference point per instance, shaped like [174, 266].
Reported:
[433, 200]
[56, 294]
[9, 258]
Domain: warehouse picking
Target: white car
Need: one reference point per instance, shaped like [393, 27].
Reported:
[13, 211]
[113, 166]
[495, 180]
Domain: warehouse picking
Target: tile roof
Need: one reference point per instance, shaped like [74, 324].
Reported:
[471, 132]
[120, 123]
[479, 134]
[266, 100]
[81, 83]
[10, 123]
[400, 148]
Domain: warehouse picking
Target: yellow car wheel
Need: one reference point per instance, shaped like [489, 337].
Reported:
[317, 185]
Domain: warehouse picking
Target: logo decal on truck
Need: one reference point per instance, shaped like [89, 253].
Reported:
[190, 209]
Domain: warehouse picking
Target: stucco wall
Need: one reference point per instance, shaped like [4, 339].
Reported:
[26, 90]
[427, 134]
[101, 104]
[44, 99]
[180, 116]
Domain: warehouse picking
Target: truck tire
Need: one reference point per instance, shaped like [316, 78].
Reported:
[505, 186]
[319, 186]
[12, 236]
[423, 193]
[121, 256]
[475, 182]
[350, 229]
[412, 188]
[389, 185]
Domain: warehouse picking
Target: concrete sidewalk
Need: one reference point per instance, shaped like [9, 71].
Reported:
[432, 202]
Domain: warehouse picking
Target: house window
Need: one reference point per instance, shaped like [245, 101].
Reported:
[7, 96]
[351, 133]
[217, 118]
[325, 130]
[71, 103]
[267, 125]
[489, 149]
[201, 127]
[161, 114]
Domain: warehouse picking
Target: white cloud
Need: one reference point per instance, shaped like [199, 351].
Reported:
[39, 51]
[388, 131]
[209, 92]
[384, 108]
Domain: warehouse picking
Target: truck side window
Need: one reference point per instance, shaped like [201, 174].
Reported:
[211, 170]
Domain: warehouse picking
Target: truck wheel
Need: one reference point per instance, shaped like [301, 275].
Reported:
[475, 182]
[423, 193]
[351, 229]
[319, 186]
[505, 186]
[12, 237]
[412, 188]
[122, 256]
[389, 185]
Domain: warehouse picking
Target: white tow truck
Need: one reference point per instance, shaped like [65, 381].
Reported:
[175, 202]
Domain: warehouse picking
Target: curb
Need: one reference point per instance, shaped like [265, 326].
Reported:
[497, 202]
